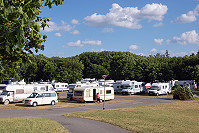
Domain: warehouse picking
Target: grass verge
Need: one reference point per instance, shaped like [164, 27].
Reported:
[172, 117]
[30, 125]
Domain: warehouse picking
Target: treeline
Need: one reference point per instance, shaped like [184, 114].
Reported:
[117, 65]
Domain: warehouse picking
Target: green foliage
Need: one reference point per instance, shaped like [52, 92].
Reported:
[19, 28]
[182, 93]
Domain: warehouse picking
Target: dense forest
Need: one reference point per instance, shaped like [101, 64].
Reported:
[117, 65]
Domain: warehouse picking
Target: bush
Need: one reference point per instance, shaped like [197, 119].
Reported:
[182, 93]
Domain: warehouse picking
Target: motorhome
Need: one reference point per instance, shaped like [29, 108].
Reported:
[15, 93]
[159, 89]
[42, 87]
[41, 98]
[88, 94]
[60, 86]
[118, 86]
[132, 87]
[71, 87]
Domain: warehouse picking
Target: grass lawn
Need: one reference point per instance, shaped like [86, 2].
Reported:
[30, 125]
[172, 117]
[63, 103]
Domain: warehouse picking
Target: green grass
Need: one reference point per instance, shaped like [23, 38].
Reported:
[172, 117]
[30, 125]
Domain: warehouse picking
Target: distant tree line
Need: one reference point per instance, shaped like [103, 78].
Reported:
[117, 65]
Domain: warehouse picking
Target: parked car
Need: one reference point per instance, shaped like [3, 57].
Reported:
[41, 98]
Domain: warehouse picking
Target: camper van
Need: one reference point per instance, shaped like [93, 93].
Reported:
[41, 98]
[42, 87]
[88, 94]
[15, 93]
[60, 86]
[159, 89]
[132, 87]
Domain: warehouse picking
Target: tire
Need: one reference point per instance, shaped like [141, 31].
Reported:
[53, 103]
[6, 102]
[34, 104]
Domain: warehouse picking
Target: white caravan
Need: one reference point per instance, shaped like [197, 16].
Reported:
[88, 94]
[71, 87]
[118, 86]
[40, 98]
[159, 89]
[42, 87]
[132, 87]
[60, 86]
[15, 93]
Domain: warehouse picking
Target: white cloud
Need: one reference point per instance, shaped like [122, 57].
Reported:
[74, 21]
[108, 30]
[80, 43]
[92, 42]
[158, 41]
[58, 34]
[157, 24]
[153, 50]
[128, 17]
[54, 27]
[99, 50]
[190, 37]
[188, 17]
[75, 44]
[133, 47]
[75, 32]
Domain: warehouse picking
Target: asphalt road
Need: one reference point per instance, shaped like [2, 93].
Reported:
[78, 125]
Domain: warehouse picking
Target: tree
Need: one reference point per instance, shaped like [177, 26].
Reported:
[20, 29]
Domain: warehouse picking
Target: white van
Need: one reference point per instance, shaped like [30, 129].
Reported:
[40, 98]
[159, 89]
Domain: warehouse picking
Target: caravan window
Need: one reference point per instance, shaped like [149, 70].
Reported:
[66, 85]
[62, 85]
[57, 86]
[78, 93]
[42, 89]
[136, 86]
[19, 91]
[108, 91]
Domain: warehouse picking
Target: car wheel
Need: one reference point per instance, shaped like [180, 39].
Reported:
[34, 104]
[158, 94]
[53, 103]
[6, 102]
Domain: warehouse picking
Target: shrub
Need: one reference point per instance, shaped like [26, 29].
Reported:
[182, 93]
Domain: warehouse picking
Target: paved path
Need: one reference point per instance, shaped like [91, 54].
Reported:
[78, 125]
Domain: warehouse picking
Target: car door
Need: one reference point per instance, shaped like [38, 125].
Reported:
[39, 99]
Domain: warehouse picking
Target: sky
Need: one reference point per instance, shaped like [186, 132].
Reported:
[142, 27]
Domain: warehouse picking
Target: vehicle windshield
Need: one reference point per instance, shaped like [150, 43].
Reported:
[155, 88]
[4, 93]
[33, 95]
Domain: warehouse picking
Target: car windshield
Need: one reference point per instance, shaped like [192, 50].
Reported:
[4, 93]
[33, 95]
[155, 88]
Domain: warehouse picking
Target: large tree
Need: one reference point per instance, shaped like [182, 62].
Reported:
[20, 28]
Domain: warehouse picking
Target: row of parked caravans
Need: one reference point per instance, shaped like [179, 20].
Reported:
[19, 92]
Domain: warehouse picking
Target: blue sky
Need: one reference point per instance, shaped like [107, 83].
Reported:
[142, 27]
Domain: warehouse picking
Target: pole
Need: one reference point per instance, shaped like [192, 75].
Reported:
[104, 76]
